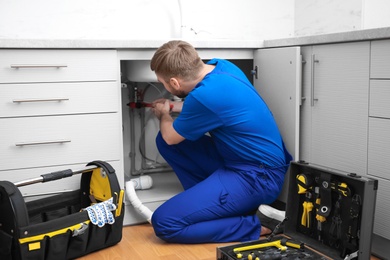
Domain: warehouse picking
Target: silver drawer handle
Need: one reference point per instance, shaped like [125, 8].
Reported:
[33, 66]
[40, 100]
[43, 142]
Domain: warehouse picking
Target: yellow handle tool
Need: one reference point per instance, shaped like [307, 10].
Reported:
[306, 215]
[342, 188]
[277, 244]
[281, 244]
[304, 182]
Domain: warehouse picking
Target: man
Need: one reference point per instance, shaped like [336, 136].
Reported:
[224, 147]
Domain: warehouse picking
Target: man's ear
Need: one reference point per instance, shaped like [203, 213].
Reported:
[174, 83]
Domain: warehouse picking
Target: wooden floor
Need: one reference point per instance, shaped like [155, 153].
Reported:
[139, 242]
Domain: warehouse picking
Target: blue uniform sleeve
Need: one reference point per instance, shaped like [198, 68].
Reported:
[195, 120]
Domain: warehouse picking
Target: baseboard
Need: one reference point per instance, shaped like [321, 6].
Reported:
[380, 247]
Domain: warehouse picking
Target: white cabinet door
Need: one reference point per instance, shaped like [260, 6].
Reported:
[335, 111]
[278, 81]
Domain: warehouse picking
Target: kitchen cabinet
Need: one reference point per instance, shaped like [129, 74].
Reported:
[334, 112]
[59, 109]
[379, 127]
[165, 182]
[344, 116]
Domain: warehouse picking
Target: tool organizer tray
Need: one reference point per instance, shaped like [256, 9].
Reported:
[66, 225]
[268, 250]
[329, 211]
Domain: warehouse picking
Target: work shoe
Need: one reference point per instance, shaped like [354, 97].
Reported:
[270, 217]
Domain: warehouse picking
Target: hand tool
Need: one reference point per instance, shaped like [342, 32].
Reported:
[353, 231]
[306, 215]
[269, 238]
[335, 227]
[141, 104]
[304, 182]
[276, 243]
[320, 219]
[341, 187]
[281, 244]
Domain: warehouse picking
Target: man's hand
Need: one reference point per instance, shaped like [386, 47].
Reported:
[161, 107]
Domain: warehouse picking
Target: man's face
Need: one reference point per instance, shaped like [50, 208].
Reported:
[174, 90]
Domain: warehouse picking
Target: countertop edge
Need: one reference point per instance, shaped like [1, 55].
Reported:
[122, 44]
[125, 44]
[351, 36]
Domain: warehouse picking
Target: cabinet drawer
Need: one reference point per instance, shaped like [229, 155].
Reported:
[28, 142]
[379, 148]
[58, 98]
[17, 66]
[380, 59]
[379, 98]
[66, 184]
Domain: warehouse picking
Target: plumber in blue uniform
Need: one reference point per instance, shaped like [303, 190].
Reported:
[224, 147]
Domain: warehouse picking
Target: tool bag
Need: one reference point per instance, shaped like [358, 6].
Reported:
[62, 226]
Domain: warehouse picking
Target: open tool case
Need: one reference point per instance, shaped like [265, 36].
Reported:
[60, 226]
[329, 215]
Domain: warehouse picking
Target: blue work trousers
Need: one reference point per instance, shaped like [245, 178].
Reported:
[219, 200]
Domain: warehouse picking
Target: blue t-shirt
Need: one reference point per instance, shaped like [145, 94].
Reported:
[227, 106]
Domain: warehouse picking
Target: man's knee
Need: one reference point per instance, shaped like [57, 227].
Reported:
[159, 140]
[163, 228]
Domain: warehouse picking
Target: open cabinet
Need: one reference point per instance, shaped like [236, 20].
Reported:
[140, 127]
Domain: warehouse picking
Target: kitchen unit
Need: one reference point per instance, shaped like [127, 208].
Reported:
[343, 113]
[336, 91]
[58, 108]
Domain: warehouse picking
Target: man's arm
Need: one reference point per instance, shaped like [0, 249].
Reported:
[162, 112]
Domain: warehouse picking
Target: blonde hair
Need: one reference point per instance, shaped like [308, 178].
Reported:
[176, 59]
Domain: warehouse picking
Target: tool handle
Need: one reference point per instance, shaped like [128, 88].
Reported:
[56, 175]
[292, 243]
[53, 176]
[144, 104]
[151, 105]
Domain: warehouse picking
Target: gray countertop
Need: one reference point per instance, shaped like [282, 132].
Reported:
[359, 35]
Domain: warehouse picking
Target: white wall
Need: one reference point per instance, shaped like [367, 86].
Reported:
[235, 19]
[314, 17]
[327, 16]
[146, 19]
[376, 14]
[88, 19]
[201, 19]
